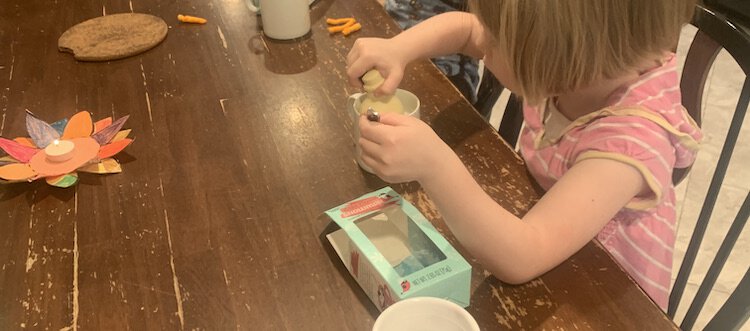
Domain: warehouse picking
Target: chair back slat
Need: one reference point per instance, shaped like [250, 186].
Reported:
[487, 94]
[713, 30]
[736, 310]
[717, 265]
[708, 205]
[714, 33]
[701, 56]
[510, 125]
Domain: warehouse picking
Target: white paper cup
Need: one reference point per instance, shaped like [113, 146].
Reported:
[425, 314]
[408, 99]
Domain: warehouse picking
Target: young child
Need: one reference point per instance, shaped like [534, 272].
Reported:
[604, 130]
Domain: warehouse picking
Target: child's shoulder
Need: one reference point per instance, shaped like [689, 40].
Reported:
[651, 101]
[657, 89]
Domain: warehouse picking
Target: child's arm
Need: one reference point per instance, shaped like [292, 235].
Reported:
[569, 215]
[448, 33]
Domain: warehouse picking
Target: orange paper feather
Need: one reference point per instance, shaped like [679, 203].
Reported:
[110, 150]
[79, 126]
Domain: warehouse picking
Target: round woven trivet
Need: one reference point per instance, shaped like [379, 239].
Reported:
[113, 37]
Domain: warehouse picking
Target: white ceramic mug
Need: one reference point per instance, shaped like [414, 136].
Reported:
[283, 19]
[408, 99]
[423, 314]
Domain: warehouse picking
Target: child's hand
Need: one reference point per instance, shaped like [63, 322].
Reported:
[384, 55]
[401, 148]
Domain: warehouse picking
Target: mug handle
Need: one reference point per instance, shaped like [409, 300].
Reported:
[253, 5]
[350, 106]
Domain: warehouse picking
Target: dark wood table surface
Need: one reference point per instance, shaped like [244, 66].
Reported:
[241, 143]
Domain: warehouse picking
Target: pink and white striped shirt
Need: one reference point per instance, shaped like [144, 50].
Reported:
[644, 126]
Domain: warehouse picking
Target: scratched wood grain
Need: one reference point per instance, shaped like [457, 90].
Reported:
[241, 143]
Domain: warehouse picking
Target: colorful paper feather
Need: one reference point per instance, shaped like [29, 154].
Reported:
[95, 143]
[41, 133]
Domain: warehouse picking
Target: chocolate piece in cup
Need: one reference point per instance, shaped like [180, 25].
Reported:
[372, 115]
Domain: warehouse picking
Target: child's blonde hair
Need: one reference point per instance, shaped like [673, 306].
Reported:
[557, 46]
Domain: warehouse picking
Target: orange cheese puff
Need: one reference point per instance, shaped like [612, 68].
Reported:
[191, 19]
[337, 21]
[340, 28]
[351, 29]
[334, 29]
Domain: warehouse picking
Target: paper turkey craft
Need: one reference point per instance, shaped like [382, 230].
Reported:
[58, 151]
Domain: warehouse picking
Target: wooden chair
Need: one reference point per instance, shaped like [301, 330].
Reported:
[487, 95]
[714, 33]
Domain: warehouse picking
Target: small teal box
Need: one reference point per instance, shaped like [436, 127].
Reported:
[394, 252]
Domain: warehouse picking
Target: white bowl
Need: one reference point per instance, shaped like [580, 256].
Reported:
[425, 313]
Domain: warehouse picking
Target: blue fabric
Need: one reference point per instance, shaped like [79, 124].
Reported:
[460, 69]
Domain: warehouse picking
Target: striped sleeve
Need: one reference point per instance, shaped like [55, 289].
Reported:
[635, 141]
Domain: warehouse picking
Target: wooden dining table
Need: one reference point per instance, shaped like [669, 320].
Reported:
[241, 143]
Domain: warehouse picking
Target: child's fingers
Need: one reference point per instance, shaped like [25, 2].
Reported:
[394, 119]
[354, 53]
[354, 78]
[352, 56]
[371, 130]
[356, 70]
[380, 167]
[370, 149]
[381, 132]
[372, 164]
[352, 72]
[391, 83]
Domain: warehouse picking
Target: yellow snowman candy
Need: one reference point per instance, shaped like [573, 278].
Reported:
[381, 104]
